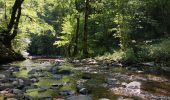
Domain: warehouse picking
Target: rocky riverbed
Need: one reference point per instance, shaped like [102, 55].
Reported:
[88, 79]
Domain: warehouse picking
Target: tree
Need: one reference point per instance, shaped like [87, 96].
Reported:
[8, 36]
[77, 30]
[85, 35]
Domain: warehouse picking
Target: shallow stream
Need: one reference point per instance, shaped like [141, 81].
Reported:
[59, 79]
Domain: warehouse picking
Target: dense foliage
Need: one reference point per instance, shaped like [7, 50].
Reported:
[132, 29]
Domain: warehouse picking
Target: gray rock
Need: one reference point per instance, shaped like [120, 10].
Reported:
[15, 83]
[13, 69]
[67, 93]
[79, 97]
[2, 76]
[34, 80]
[17, 91]
[149, 64]
[83, 91]
[41, 89]
[134, 85]
[111, 81]
[33, 71]
[21, 82]
[57, 77]
[57, 85]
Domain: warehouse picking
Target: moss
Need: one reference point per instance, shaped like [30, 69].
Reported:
[22, 73]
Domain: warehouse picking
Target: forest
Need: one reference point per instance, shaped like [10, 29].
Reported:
[69, 43]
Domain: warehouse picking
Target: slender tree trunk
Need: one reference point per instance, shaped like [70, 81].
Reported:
[76, 37]
[85, 51]
[77, 30]
[5, 12]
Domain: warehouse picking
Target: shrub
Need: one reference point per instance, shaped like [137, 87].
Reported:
[127, 56]
[156, 52]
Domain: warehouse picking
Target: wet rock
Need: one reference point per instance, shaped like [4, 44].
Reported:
[152, 64]
[66, 93]
[54, 70]
[17, 91]
[2, 76]
[21, 81]
[82, 90]
[4, 92]
[86, 76]
[13, 69]
[18, 82]
[31, 76]
[126, 91]
[57, 85]
[34, 80]
[5, 80]
[124, 84]
[57, 77]
[79, 97]
[27, 82]
[33, 71]
[134, 85]
[15, 83]
[31, 87]
[156, 78]
[111, 81]
[12, 79]
[41, 89]
[64, 72]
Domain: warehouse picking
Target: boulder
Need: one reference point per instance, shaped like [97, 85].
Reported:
[17, 91]
[134, 85]
[82, 90]
[57, 77]
[2, 76]
[66, 93]
[33, 71]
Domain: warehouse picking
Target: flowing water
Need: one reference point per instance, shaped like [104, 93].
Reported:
[59, 79]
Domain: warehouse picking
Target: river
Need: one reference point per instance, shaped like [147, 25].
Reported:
[88, 79]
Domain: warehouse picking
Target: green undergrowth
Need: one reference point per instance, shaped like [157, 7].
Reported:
[147, 51]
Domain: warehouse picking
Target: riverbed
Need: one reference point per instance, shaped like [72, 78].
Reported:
[88, 79]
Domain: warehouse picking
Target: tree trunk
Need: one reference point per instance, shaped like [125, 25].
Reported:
[13, 23]
[85, 51]
[76, 37]
[77, 30]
